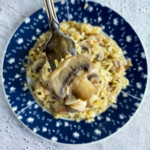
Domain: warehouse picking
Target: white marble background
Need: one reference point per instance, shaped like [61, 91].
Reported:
[135, 135]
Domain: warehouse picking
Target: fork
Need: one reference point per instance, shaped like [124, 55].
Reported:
[58, 44]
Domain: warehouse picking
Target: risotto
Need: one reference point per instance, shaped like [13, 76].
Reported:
[81, 86]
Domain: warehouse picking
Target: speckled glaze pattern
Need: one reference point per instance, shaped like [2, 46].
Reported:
[135, 135]
[64, 131]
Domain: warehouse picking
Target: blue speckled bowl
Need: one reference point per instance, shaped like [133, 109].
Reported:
[64, 131]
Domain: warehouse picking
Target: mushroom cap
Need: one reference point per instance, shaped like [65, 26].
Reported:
[61, 77]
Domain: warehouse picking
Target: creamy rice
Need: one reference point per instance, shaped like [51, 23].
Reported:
[106, 57]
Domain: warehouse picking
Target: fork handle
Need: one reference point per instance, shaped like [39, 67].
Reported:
[52, 17]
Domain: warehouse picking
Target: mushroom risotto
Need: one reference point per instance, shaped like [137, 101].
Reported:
[81, 86]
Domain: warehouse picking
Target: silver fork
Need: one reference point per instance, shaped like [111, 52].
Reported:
[58, 44]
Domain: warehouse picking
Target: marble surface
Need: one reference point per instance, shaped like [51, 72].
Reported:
[135, 135]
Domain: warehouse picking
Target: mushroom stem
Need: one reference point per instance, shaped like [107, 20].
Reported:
[82, 88]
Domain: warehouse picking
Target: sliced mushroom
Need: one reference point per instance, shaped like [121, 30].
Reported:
[86, 54]
[99, 56]
[61, 77]
[59, 108]
[85, 45]
[38, 65]
[86, 49]
[93, 76]
[82, 88]
[71, 110]
[128, 64]
[79, 106]
[70, 99]
[74, 82]
[45, 73]
[116, 65]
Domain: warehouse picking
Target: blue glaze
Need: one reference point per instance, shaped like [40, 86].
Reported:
[65, 131]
